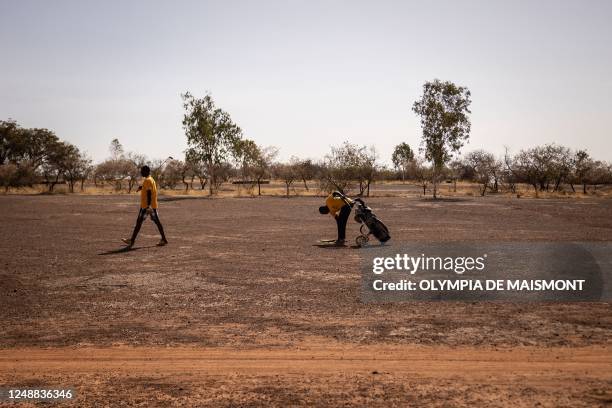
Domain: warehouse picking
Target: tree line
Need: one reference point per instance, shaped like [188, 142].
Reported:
[219, 153]
[546, 168]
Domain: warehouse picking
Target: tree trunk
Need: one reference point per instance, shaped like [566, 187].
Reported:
[305, 184]
[557, 184]
[53, 183]
[368, 189]
[455, 185]
[435, 184]
[211, 176]
[287, 189]
[572, 186]
[258, 187]
[484, 189]
[584, 188]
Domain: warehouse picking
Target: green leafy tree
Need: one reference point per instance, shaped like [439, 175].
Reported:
[9, 140]
[57, 162]
[443, 108]
[402, 157]
[211, 134]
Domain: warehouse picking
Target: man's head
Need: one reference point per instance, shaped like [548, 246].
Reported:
[145, 171]
[323, 209]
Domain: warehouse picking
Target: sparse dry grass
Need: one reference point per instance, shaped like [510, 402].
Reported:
[379, 189]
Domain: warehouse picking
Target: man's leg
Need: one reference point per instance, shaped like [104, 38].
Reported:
[155, 218]
[139, 220]
[341, 220]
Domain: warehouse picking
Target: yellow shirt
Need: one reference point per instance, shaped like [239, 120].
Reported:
[148, 185]
[335, 204]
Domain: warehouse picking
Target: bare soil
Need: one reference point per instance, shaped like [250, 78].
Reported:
[241, 275]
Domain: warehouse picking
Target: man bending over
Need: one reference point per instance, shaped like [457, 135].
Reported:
[338, 206]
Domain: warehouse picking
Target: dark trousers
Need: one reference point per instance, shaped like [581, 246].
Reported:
[341, 220]
[141, 217]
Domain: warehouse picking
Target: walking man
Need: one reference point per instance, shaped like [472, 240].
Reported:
[148, 206]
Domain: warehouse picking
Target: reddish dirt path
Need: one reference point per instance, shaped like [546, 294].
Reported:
[421, 361]
[395, 375]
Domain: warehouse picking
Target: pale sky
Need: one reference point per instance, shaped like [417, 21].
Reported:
[304, 75]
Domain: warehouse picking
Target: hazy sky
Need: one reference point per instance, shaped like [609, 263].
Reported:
[304, 75]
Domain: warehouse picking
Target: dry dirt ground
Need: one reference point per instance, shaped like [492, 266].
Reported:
[242, 309]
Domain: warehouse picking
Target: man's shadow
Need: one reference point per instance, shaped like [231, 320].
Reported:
[125, 250]
[333, 246]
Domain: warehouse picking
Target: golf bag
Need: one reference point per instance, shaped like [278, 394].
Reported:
[367, 219]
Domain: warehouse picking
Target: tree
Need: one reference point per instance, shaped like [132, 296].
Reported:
[223, 172]
[8, 176]
[186, 173]
[17, 167]
[57, 162]
[76, 168]
[286, 172]
[542, 165]
[347, 164]
[486, 169]
[600, 173]
[401, 158]
[198, 167]
[583, 165]
[366, 169]
[444, 109]
[560, 165]
[130, 167]
[459, 170]
[245, 152]
[9, 140]
[120, 167]
[172, 174]
[306, 170]
[116, 149]
[211, 133]
[419, 171]
[263, 165]
[86, 170]
[529, 167]
[109, 172]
